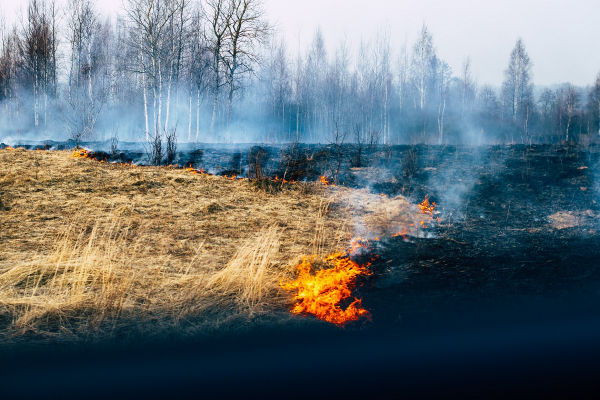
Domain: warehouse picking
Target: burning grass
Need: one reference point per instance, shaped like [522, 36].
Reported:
[321, 293]
[93, 250]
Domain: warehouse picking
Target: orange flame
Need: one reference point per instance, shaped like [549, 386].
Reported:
[324, 181]
[196, 171]
[426, 207]
[404, 233]
[83, 153]
[359, 247]
[321, 293]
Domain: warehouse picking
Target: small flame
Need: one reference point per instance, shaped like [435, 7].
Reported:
[83, 153]
[321, 293]
[404, 233]
[196, 171]
[324, 181]
[426, 207]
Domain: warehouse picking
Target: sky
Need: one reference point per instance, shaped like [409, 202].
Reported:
[562, 37]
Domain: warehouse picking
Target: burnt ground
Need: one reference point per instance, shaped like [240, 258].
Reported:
[501, 301]
[497, 253]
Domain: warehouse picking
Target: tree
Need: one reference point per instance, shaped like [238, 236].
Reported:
[572, 99]
[87, 90]
[424, 65]
[218, 14]
[467, 84]
[382, 56]
[37, 50]
[546, 105]
[152, 25]
[277, 79]
[422, 57]
[445, 76]
[403, 70]
[594, 101]
[316, 72]
[517, 84]
[247, 29]
[199, 67]
[8, 62]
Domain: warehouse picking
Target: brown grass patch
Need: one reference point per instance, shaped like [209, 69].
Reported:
[94, 250]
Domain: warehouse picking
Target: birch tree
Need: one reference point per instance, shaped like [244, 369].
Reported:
[8, 63]
[152, 24]
[572, 99]
[247, 29]
[199, 66]
[422, 56]
[546, 109]
[594, 101]
[218, 14]
[517, 79]
[467, 84]
[445, 75]
[37, 47]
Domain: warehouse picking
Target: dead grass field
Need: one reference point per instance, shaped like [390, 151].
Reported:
[91, 251]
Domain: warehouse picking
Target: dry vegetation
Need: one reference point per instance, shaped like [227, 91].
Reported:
[91, 250]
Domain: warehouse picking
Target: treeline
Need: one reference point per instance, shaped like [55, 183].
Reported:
[215, 70]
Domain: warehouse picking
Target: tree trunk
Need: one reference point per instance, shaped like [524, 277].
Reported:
[190, 110]
[198, 116]
[216, 90]
[169, 98]
[160, 88]
[144, 90]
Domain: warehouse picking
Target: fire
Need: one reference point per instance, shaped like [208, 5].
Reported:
[426, 207]
[321, 293]
[324, 181]
[196, 171]
[404, 233]
[360, 247]
[83, 153]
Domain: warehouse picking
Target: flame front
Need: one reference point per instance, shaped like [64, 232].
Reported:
[321, 293]
[324, 180]
[83, 153]
[426, 207]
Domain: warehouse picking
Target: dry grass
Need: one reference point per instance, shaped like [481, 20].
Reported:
[91, 250]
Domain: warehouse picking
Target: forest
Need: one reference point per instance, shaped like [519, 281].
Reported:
[218, 71]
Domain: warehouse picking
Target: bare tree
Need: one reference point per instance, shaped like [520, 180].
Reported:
[315, 70]
[247, 29]
[445, 73]
[153, 23]
[218, 14]
[423, 53]
[8, 63]
[546, 107]
[37, 53]
[339, 137]
[89, 64]
[467, 84]
[594, 101]
[276, 77]
[517, 79]
[403, 70]
[199, 66]
[572, 99]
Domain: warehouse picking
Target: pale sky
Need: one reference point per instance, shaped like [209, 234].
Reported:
[562, 37]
